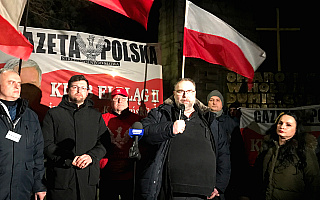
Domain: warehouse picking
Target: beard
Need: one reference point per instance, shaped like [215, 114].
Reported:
[188, 105]
[76, 99]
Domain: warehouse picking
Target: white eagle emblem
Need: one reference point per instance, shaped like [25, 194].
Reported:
[118, 139]
[90, 52]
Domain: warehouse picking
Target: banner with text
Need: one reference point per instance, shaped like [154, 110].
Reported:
[255, 122]
[106, 62]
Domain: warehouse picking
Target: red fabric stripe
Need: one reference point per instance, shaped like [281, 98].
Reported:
[216, 50]
[137, 10]
[13, 42]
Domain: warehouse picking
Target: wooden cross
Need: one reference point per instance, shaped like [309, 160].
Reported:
[278, 29]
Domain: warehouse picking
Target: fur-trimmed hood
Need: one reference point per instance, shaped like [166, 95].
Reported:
[199, 104]
[285, 163]
[311, 141]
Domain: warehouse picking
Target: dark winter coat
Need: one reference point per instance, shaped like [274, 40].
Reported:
[70, 131]
[288, 182]
[160, 121]
[21, 163]
[238, 184]
[223, 154]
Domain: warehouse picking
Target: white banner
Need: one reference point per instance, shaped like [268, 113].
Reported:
[106, 62]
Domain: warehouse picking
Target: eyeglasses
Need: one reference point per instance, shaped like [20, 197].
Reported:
[120, 98]
[187, 92]
[76, 88]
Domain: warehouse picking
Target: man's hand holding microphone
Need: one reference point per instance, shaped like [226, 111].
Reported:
[179, 125]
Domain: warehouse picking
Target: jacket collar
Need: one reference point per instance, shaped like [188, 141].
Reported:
[65, 103]
[197, 104]
[22, 106]
[124, 114]
[311, 142]
[204, 111]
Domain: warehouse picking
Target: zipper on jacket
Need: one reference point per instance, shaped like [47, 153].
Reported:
[75, 111]
[12, 128]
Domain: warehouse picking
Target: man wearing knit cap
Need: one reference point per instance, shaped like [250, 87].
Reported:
[215, 102]
[228, 126]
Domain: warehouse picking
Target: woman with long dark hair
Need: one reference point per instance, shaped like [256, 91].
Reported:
[287, 163]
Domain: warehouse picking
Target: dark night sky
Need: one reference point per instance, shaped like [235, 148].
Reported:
[244, 16]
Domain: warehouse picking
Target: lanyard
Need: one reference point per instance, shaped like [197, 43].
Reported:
[8, 115]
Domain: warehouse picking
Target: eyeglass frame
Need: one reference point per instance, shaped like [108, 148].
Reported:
[186, 92]
[76, 88]
[123, 99]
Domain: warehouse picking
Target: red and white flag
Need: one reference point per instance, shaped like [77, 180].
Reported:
[137, 10]
[12, 41]
[209, 38]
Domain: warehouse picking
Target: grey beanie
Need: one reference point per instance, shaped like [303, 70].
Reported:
[215, 93]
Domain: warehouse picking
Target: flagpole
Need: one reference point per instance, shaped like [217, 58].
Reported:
[145, 82]
[142, 107]
[183, 66]
[24, 31]
[183, 56]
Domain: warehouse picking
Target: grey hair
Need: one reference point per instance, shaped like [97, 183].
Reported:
[7, 70]
[11, 64]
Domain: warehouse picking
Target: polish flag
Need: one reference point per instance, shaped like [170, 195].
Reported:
[209, 38]
[12, 41]
[137, 10]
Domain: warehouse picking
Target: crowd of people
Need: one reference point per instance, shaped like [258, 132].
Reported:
[189, 150]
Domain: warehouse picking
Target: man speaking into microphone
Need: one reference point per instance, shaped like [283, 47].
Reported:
[184, 165]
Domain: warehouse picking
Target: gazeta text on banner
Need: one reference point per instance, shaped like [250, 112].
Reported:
[106, 62]
[254, 123]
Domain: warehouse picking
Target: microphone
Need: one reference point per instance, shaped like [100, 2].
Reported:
[136, 132]
[182, 107]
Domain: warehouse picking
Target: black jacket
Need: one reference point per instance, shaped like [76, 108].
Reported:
[70, 131]
[21, 163]
[238, 184]
[223, 154]
[158, 132]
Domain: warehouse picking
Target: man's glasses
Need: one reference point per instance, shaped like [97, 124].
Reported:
[187, 92]
[122, 99]
[76, 88]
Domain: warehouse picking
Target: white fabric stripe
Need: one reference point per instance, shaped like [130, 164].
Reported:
[12, 11]
[202, 21]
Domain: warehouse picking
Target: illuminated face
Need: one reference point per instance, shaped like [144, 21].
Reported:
[119, 103]
[286, 127]
[78, 92]
[30, 75]
[185, 93]
[215, 104]
[10, 86]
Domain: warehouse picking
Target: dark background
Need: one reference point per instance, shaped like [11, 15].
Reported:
[165, 26]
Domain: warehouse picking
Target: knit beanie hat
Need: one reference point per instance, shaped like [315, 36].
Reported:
[215, 93]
